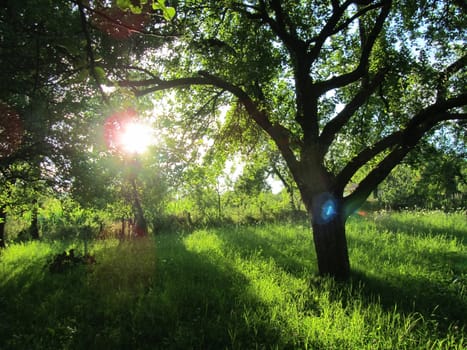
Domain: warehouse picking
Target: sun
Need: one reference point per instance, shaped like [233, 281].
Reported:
[135, 137]
[125, 132]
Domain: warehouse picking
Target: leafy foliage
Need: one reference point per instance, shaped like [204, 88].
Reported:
[433, 178]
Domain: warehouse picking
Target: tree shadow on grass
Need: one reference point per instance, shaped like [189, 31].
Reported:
[439, 298]
[292, 254]
[408, 294]
[415, 228]
[178, 300]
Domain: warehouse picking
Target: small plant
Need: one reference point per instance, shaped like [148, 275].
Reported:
[62, 262]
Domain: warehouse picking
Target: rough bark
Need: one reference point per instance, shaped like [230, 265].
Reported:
[328, 227]
[331, 249]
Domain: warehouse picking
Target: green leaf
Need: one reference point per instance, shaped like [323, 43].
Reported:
[157, 5]
[169, 13]
[100, 73]
[82, 76]
[136, 9]
[124, 4]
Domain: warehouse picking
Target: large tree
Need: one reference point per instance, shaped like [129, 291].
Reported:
[345, 89]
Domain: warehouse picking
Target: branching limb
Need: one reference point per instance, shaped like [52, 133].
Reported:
[282, 26]
[422, 122]
[360, 71]
[143, 70]
[402, 142]
[335, 5]
[90, 52]
[327, 30]
[444, 77]
[283, 20]
[278, 133]
[365, 156]
[335, 125]
[359, 14]
[157, 84]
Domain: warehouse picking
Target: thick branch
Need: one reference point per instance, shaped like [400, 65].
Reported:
[437, 110]
[327, 30]
[405, 141]
[377, 175]
[335, 4]
[444, 76]
[360, 71]
[456, 66]
[157, 84]
[278, 133]
[283, 21]
[360, 13]
[279, 26]
[144, 70]
[365, 156]
[423, 121]
[335, 125]
[90, 52]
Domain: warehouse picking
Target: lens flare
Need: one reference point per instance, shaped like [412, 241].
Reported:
[328, 210]
[325, 208]
[117, 23]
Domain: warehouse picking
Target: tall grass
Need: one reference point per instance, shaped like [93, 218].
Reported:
[244, 287]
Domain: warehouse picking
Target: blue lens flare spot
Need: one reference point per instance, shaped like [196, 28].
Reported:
[328, 210]
[325, 208]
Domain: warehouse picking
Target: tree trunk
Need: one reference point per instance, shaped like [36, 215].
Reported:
[331, 249]
[34, 229]
[2, 226]
[328, 225]
[141, 227]
[122, 231]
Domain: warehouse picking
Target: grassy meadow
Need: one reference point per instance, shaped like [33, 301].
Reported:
[244, 287]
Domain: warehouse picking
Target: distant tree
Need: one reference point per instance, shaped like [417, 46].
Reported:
[433, 178]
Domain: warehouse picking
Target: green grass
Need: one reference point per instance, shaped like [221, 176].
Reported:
[245, 287]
